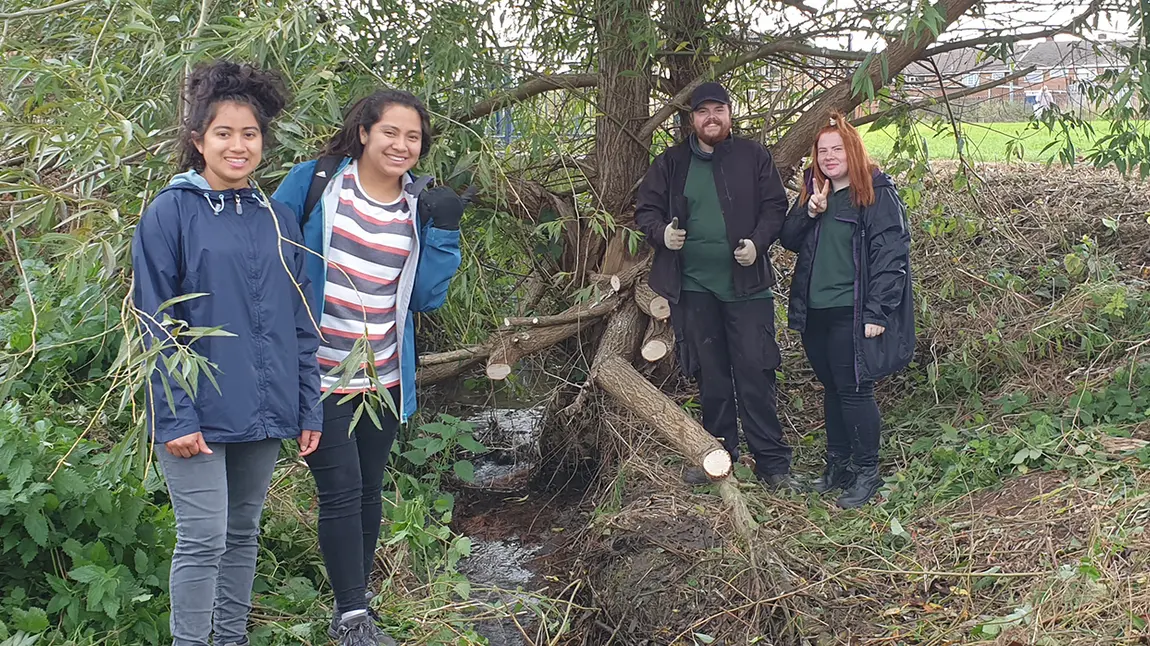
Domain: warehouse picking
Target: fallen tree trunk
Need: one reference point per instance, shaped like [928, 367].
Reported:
[582, 311]
[621, 335]
[651, 303]
[507, 349]
[658, 341]
[473, 353]
[427, 375]
[616, 376]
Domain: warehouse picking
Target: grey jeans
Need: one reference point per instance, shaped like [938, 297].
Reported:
[218, 500]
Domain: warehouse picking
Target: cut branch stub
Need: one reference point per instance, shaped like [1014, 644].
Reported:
[651, 303]
[616, 377]
[658, 341]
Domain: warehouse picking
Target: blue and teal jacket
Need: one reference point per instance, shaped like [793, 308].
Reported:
[423, 281]
[239, 252]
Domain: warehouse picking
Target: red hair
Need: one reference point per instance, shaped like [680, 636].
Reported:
[860, 168]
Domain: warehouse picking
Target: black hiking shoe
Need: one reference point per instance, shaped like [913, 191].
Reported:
[867, 482]
[837, 474]
[781, 482]
[360, 630]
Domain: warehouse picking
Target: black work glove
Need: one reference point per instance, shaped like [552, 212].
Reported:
[443, 207]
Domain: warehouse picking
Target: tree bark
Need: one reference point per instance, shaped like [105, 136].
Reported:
[686, 20]
[630, 389]
[623, 101]
[658, 341]
[624, 330]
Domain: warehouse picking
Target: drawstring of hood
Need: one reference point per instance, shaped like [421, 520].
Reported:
[193, 180]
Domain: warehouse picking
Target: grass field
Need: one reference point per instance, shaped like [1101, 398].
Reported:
[986, 142]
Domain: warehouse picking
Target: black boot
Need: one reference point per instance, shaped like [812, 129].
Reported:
[837, 474]
[867, 482]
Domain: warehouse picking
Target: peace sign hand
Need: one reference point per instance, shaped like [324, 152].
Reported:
[818, 202]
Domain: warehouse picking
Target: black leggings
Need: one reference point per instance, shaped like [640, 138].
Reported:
[852, 416]
[348, 468]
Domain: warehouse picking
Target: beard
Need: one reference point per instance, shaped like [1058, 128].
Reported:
[724, 132]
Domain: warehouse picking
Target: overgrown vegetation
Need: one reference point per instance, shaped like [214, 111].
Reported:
[1031, 374]
[1017, 453]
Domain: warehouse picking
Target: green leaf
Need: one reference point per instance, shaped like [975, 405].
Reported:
[897, 529]
[37, 527]
[465, 470]
[88, 574]
[463, 590]
[32, 621]
[141, 561]
[179, 299]
[471, 444]
[415, 456]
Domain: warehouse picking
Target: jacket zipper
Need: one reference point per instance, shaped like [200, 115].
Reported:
[857, 242]
[239, 207]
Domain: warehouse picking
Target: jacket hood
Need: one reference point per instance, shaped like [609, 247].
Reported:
[193, 181]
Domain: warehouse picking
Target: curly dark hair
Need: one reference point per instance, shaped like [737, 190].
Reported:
[367, 112]
[221, 81]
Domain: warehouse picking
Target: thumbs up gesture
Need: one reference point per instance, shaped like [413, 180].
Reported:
[818, 202]
[746, 253]
[673, 236]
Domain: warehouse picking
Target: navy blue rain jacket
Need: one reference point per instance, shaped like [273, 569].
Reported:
[232, 246]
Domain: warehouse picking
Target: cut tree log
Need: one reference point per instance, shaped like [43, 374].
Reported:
[473, 353]
[427, 375]
[658, 341]
[507, 349]
[622, 334]
[582, 311]
[622, 280]
[616, 376]
[651, 303]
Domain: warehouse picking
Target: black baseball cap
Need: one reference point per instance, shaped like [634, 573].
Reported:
[709, 91]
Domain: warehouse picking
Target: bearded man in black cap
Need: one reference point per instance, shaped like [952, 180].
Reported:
[711, 207]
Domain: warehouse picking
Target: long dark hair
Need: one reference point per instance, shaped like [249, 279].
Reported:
[219, 82]
[367, 112]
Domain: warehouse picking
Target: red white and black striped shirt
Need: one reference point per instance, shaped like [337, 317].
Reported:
[370, 242]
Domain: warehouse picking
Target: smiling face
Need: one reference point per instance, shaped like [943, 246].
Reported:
[712, 122]
[832, 156]
[232, 145]
[391, 147]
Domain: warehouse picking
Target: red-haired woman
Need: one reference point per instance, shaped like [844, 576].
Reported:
[850, 298]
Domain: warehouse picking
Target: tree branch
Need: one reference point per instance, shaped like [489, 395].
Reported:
[528, 89]
[791, 148]
[732, 63]
[935, 100]
[42, 10]
[1078, 22]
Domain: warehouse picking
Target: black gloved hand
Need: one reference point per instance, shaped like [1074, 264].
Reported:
[443, 207]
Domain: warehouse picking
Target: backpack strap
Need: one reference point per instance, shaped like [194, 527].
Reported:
[324, 167]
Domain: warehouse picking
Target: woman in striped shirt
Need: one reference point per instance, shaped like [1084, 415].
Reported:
[382, 247]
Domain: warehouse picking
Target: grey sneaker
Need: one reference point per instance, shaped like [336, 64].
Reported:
[333, 628]
[360, 630]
